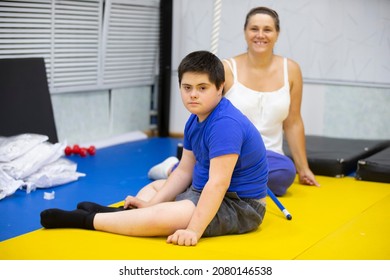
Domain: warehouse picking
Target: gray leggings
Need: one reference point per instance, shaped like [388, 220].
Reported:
[235, 215]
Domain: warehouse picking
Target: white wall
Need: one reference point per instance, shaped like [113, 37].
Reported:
[355, 107]
[93, 116]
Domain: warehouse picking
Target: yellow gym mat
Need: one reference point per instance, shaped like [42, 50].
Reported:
[342, 219]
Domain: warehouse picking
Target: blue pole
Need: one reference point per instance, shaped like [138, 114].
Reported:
[280, 205]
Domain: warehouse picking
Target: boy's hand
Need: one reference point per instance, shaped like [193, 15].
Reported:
[134, 202]
[184, 237]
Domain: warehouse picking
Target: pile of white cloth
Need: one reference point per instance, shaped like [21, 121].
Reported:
[28, 161]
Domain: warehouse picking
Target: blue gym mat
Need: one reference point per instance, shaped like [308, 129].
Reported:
[112, 174]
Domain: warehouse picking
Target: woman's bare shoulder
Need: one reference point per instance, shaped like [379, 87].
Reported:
[293, 65]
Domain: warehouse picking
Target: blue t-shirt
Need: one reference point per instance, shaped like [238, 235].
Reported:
[227, 131]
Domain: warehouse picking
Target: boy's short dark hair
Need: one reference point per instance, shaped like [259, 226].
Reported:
[203, 62]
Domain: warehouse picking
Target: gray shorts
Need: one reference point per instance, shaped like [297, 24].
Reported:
[235, 215]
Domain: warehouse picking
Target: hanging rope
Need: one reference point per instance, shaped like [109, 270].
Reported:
[216, 24]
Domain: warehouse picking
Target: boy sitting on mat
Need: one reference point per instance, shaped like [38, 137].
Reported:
[224, 163]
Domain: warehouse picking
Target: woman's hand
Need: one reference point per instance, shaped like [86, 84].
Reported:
[307, 178]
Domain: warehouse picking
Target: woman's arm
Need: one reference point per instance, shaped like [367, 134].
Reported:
[294, 128]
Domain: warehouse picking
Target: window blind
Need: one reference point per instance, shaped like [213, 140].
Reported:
[75, 43]
[87, 45]
[131, 31]
[25, 29]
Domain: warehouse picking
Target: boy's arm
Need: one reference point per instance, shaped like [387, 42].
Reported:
[221, 170]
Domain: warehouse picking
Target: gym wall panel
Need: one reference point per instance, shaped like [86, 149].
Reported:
[130, 110]
[82, 117]
[357, 112]
[344, 61]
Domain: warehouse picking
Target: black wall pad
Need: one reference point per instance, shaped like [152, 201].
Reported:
[375, 168]
[25, 102]
[337, 157]
[164, 86]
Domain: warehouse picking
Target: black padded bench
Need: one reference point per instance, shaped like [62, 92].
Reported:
[338, 157]
[375, 168]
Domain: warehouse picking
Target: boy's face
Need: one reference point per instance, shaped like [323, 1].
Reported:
[199, 95]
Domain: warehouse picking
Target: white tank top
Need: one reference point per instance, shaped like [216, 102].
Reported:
[266, 110]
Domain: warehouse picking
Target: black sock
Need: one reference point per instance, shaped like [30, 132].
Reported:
[92, 207]
[57, 218]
